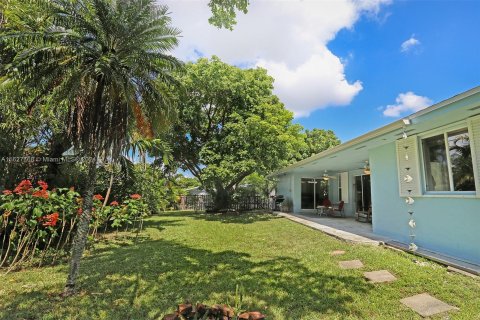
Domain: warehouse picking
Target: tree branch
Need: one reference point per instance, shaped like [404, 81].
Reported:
[239, 179]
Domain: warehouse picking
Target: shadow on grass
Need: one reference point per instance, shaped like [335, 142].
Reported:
[230, 217]
[150, 278]
[161, 225]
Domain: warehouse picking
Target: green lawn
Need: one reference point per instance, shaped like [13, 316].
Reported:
[285, 269]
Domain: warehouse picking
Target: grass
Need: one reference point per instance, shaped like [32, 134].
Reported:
[285, 269]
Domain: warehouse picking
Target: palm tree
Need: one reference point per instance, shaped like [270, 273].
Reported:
[108, 63]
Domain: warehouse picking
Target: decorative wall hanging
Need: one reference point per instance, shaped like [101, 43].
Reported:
[409, 200]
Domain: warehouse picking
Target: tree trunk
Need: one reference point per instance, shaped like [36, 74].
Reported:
[109, 189]
[80, 239]
[222, 198]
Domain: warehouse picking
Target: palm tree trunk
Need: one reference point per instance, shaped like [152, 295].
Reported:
[109, 189]
[80, 239]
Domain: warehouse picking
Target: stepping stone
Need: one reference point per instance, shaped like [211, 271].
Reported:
[337, 252]
[426, 305]
[379, 276]
[351, 264]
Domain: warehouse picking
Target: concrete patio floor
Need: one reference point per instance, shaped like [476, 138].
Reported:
[348, 224]
[347, 229]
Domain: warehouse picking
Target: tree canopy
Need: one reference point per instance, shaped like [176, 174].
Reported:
[231, 125]
[318, 140]
[224, 12]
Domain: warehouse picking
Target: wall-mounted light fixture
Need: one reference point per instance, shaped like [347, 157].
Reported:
[366, 168]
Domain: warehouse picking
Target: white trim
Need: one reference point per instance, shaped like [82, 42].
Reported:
[343, 177]
[463, 195]
[474, 149]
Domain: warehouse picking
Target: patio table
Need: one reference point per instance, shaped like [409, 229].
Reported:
[321, 210]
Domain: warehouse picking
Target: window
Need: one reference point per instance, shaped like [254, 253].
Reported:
[314, 191]
[448, 162]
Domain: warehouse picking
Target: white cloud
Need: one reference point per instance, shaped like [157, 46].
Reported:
[319, 81]
[409, 44]
[406, 102]
[289, 38]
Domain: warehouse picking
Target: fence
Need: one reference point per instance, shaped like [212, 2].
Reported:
[244, 203]
[195, 202]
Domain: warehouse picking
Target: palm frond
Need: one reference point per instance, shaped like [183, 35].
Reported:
[107, 60]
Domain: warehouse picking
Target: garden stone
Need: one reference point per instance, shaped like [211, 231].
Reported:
[351, 264]
[337, 252]
[379, 276]
[426, 305]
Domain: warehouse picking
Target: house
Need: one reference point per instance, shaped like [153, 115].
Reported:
[420, 175]
[196, 191]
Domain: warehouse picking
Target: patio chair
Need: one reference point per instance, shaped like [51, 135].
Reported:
[326, 205]
[364, 216]
[337, 208]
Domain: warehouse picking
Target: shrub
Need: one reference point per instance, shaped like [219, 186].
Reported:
[35, 220]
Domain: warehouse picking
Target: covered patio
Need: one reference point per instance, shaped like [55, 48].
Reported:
[347, 228]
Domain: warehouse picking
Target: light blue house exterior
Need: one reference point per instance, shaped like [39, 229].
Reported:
[432, 156]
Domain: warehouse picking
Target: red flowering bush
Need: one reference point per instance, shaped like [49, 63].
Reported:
[98, 197]
[43, 185]
[40, 194]
[132, 210]
[33, 219]
[49, 220]
[23, 187]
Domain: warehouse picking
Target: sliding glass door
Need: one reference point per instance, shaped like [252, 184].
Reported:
[314, 191]
[363, 197]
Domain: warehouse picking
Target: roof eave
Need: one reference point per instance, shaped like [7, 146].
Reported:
[365, 137]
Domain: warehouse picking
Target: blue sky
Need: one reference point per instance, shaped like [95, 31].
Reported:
[346, 65]
[444, 63]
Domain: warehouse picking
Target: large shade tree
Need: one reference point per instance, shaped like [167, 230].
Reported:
[231, 125]
[106, 62]
[318, 140]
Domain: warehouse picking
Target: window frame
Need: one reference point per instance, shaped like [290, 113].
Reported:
[444, 131]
